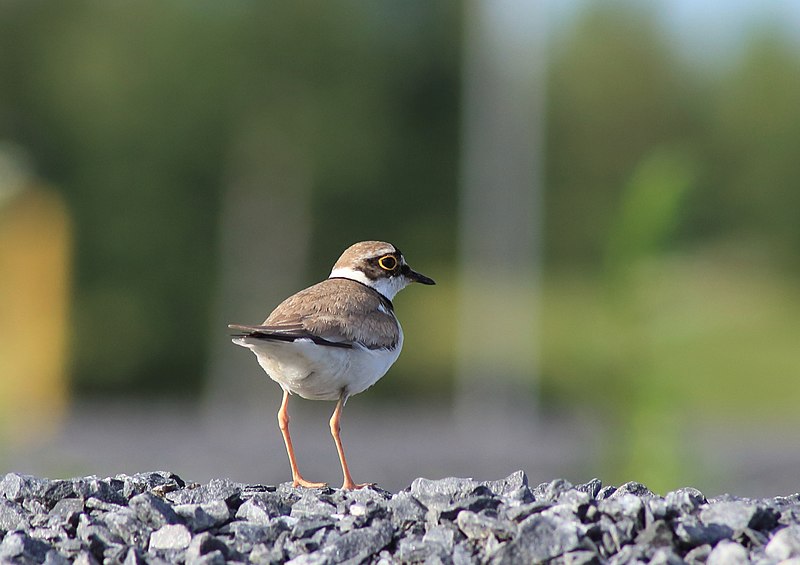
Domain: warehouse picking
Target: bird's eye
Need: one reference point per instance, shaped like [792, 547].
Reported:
[388, 262]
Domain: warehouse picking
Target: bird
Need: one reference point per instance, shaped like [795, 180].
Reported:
[334, 339]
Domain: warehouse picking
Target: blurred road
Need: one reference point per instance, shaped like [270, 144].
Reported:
[390, 444]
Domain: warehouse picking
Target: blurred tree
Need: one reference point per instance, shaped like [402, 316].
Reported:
[699, 321]
[388, 146]
[752, 129]
[125, 109]
[143, 111]
[650, 417]
[615, 91]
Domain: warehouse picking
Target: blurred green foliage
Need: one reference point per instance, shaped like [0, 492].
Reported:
[672, 199]
[670, 206]
[136, 109]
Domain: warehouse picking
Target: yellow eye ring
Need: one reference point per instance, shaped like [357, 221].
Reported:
[388, 262]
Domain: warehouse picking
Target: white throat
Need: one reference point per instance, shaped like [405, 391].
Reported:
[388, 287]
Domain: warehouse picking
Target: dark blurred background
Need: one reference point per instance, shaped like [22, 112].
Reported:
[168, 167]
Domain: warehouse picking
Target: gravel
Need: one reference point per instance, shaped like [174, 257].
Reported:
[159, 518]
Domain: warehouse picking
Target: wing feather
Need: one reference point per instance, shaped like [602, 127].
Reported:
[335, 312]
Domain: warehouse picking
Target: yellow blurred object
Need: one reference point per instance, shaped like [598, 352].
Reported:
[35, 237]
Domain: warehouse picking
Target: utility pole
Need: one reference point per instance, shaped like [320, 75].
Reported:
[500, 212]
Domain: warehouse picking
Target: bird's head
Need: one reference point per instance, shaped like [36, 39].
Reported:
[378, 265]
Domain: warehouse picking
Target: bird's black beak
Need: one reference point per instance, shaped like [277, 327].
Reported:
[419, 277]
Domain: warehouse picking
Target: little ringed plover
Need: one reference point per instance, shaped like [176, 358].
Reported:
[335, 338]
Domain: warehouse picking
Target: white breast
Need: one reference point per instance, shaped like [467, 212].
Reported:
[319, 372]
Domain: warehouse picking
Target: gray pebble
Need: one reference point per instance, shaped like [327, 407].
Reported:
[579, 557]
[473, 503]
[204, 544]
[785, 543]
[728, 552]
[309, 506]
[664, 556]
[156, 518]
[107, 490]
[628, 554]
[508, 486]
[622, 506]
[404, 509]
[539, 538]
[13, 516]
[66, 510]
[152, 510]
[735, 516]
[170, 536]
[101, 505]
[442, 535]
[684, 501]
[262, 507]
[306, 528]
[18, 487]
[201, 517]
[85, 557]
[53, 557]
[95, 534]
[657, 534]
[634, 488]
[358, 545]
[442, 491]
[19, 547]
[692, 533]
[698, 555]
[127, 526]
[248, 534]
[216, 489]
[415, 548]
[481, 526]
[139, 483]
[592, 488]
[605, 492]
[212, 558]
[549, 492]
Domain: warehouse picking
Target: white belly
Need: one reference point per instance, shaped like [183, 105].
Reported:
[319, 372]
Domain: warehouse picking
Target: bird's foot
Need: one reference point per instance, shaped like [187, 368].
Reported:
[350, 485]
[301, 482]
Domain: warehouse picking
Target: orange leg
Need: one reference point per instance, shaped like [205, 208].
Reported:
[283, 424]
[348, 483]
